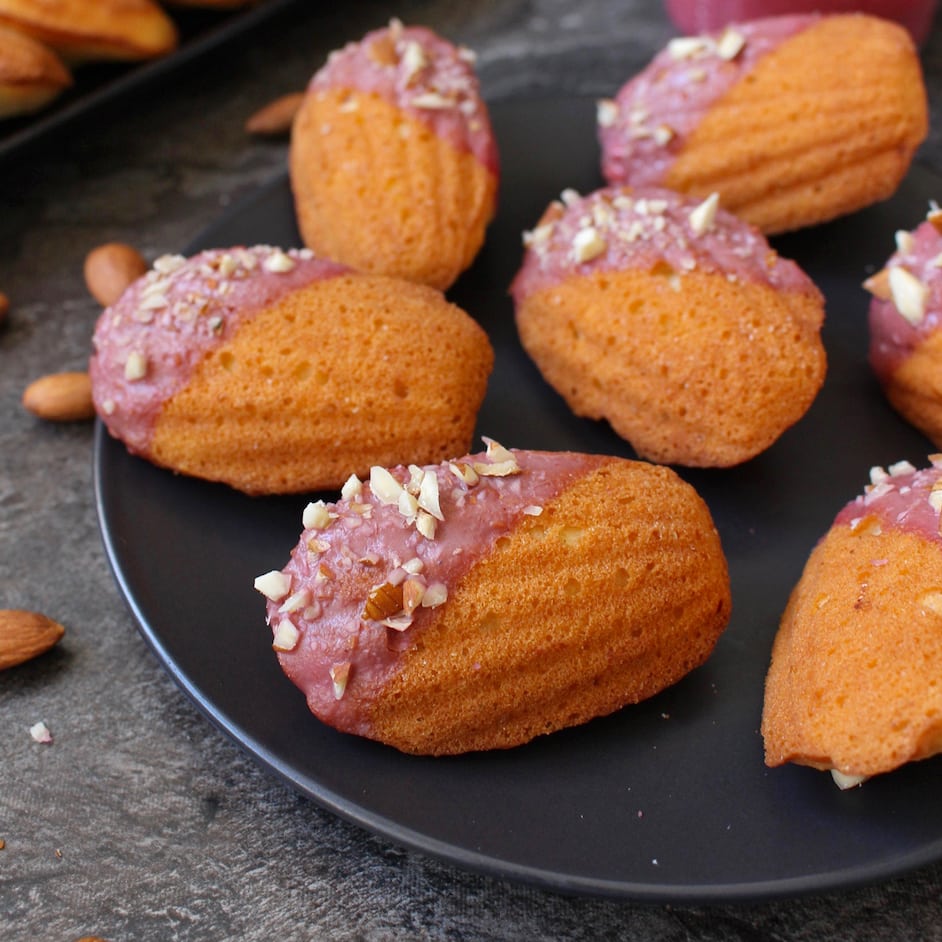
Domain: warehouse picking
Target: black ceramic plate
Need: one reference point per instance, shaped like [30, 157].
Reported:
[102, 84]
[668, 800]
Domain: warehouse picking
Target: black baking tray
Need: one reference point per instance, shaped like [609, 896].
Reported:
[104, 84]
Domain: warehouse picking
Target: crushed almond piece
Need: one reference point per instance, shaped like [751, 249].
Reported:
[879, 285]
[435, 594]
[689, 47]
[295, 602]
[274, 585]
[588, 244]
[40, 732]
[428, 495]
[286, 636]
[413, 590]
[730, 44]
[909, 294]
[900, 467]
[905, 241]
[934, 216]
[279, 262]
[702, 218]
[352, 487]
[316, 516]
[135, 367]
[426, 524]
[606, 112]
[340, 677]
[385, 487]
[384, 600]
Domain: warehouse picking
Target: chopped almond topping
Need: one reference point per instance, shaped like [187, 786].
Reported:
[296, 601]
[435, 594]
[703, 217]
[730, 44]
[273, 585]
[286, 636]
[905, 241]
[316, 516]
[413, 590]
[428, 495]
[135, 367]
[909, 294]
[606, 112]
[935, 217]
[384, 600]
[426, 524]
[384, 486]
[340, 677]
[879, 285]
[588, 244]
[352, 487]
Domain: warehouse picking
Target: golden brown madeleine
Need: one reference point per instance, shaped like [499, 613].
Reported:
[84, 30]
[905, 316]
[485, 601]
[671, 319]
[793, 120]
[855, 682]
[393, 160]
[31, 74]
[279, 372]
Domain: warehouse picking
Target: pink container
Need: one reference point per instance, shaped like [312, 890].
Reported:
[702, 16]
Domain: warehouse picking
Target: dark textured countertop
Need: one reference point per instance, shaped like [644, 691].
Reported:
[142, 821]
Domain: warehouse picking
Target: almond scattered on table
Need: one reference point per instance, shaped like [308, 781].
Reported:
[110, 268]
[276, 117]
[60, 397]
[25, 635]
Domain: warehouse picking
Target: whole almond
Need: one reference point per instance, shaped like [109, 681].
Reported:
[276, 117]
[60, 397]
[4, 307]
[25, 635]
[109, 270]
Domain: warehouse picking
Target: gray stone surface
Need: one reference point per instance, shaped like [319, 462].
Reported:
[142, 822]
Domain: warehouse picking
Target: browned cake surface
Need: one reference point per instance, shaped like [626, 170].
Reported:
[93, 29]
[855, 681]
[30, 73]
[344, 374]
[824, 125]
[616, 591]
[702, 372]
[915, 388]
[379, 191]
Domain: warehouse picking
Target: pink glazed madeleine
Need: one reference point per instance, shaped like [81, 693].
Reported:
[854, 683]
[905, 317]
[393, 161]
[484, 601]
[276, 371]
[671, 319]
[793, 120]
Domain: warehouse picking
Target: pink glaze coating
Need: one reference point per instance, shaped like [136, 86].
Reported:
[640, 229]
[168, 320]
[432, 80]
[365, 533]
[900, 499]
[696, 16]
[892, 337]
[643, 129]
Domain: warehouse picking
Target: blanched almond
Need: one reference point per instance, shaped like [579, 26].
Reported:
[25, 635]
[60, 397]
[109, 270]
